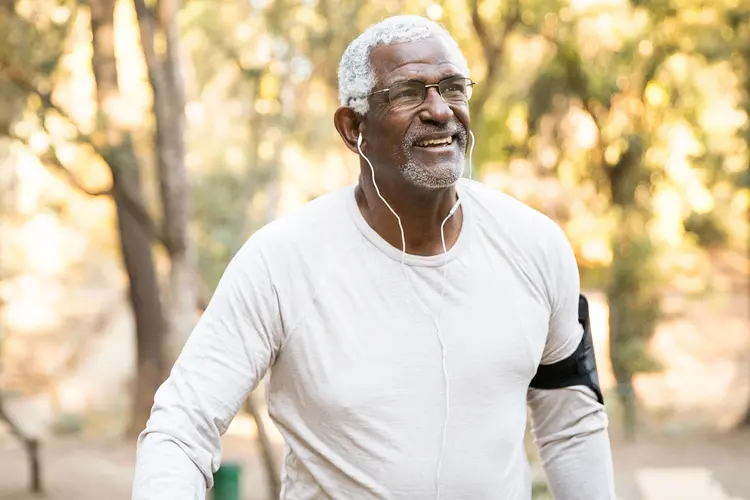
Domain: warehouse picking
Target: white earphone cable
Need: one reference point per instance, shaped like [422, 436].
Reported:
[400, 226]
[471, 152]
[436, 321]
[444, 358]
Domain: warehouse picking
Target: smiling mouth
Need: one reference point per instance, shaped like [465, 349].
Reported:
[435, 143]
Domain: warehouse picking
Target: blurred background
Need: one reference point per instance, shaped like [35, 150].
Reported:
[142, 142]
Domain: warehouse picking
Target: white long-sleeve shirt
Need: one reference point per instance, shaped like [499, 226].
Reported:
[356, 383]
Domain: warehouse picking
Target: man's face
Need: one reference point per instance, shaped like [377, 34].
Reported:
[424, 143]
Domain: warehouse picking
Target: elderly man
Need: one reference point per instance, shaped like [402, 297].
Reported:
[402, 319]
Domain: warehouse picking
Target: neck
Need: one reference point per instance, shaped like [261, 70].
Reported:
[421, 211]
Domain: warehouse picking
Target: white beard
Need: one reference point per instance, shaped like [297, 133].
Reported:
[432, 178]
[438, 176]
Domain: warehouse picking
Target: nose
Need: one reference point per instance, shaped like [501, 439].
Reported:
[434, 108]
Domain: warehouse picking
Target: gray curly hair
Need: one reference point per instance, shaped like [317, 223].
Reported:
[356, 75]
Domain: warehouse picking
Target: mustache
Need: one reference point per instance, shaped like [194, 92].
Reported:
[414, 135]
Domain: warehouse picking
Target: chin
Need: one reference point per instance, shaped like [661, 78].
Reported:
[432, 177]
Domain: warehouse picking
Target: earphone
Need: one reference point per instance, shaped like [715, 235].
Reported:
[436, 321]
[471, 151]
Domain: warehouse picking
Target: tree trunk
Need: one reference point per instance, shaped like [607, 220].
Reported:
[31, 445]
[181, 300]
[135, 241]
[32, 449]
[632, 294]
[620, 369]
[493, 42]
[745, 420]
[149, 320]
[164, 73]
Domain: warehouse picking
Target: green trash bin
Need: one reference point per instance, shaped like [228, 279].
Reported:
[227, 482]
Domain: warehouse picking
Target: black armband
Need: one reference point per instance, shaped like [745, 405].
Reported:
[577, 369]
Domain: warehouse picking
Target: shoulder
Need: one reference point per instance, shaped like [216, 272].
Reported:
[306, 244]
[294, 256]
[528, 239]
[321, 220]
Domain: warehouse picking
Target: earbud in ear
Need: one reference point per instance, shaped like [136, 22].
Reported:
[455, 208]
[359, 139]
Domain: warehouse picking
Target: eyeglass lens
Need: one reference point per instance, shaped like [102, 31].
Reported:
[455, 91]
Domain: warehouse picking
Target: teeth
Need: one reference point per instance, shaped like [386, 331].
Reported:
[436, 142]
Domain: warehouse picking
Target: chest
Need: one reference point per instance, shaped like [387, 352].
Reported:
[375, 339]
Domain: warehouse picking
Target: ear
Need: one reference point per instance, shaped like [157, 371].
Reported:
[349, 125]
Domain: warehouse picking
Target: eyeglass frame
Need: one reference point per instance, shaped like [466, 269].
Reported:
[427, 86]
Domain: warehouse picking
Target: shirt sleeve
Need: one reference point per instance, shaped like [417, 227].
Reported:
[563, 288]
[569, 425]
[227, 354]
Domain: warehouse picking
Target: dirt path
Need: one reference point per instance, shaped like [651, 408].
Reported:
[75, 470]
[683, 467]
[655, 468]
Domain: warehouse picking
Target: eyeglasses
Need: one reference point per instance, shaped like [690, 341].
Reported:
[455, 90]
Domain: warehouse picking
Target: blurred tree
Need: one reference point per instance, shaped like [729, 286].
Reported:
[745, 179]
[632, 294]
[738, 20]
[28, 65]
[493, 37]
[113, 141]
[715, 44]
[242, 162]
[30, 443]
[241, 159]
[160, 41]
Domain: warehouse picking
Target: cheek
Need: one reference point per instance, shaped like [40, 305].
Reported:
[388, 137]
[462, 114]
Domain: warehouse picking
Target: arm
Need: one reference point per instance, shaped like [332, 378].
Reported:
[569, 424]
[225, 357]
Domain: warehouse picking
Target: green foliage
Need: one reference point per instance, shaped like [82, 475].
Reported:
[709, 231]
[742, 180]
[220, 202]
[633, 296]
[550, 81]
[68, 424]
[31, 46]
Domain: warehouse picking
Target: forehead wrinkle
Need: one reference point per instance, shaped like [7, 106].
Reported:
[389, 62]
[426, 73]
